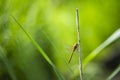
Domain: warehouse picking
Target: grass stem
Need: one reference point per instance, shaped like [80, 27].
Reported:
[80, 55]
[117, 70]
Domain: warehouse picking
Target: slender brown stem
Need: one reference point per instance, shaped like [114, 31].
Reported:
[80, 55]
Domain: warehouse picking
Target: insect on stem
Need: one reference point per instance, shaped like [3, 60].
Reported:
[73, 50]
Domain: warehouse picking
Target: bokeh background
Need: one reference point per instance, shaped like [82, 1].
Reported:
[52, 24]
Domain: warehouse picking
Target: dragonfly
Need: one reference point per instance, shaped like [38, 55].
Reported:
[75, 46]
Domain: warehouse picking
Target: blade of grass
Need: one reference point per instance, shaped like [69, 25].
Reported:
[79, 53]
[117, 70]
[40, 50]
[107, 42]
[7, 64]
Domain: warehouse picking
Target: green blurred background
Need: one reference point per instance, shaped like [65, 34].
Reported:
[52, 23]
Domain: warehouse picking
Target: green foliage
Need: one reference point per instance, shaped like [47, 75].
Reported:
[93, 54]
[40, 50]
[52, 32]
[117, 70]
[7, 64]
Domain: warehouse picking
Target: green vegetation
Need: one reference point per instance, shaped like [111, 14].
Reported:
[36, 37]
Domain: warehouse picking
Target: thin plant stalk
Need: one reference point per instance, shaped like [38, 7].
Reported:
[117, 70]
[79, 53]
